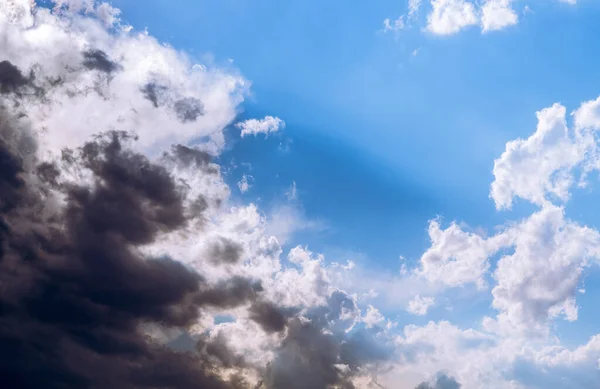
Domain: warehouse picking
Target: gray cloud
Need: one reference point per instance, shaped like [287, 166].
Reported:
[442, 381]
[98, 60]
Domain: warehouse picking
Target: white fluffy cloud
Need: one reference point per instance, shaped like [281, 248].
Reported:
[457, 257]
[265, 126]
[199, 100]
[373, 317]
[534, 284]
[542, 168]
[497, 14]
[420, 305]
[540, 279]
[450, 16]
[245, 183]
[540, 165]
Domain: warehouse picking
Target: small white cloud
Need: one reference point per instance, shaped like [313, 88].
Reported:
[497, 14]
[450, 16]
[413, 8]
[292, 193]
[372, 317]
[420, 305]
[245, 183]
[395, 25]
[269, 124]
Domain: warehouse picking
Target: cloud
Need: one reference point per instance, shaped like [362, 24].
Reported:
[420, 305]
[413, 8]
[72, 278]
[120, 251]
[124, 261]
[542, 168]
[265, 126]
[539, 281]
[292, 192]
[540, 165]
[11, 78]
[450, 16]
[497, 14]
[97, 78]
[245, 183]
[535, 283]
[442, 381]
[456, 257]
[285, 220]
[373, 317]
[395, 25]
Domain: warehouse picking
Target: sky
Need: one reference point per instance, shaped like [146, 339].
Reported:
[395, 194]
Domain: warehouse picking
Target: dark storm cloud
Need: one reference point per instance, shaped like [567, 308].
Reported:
[268, 316]
[76, 294]
[188, 109]
[74, 289]
[218, 352]
[225, 251]
[306, 359]
[312, 348]
[230, 293]
[191, 157]
[98, 60]
[153, 92]
[442, 381]
[11, 78]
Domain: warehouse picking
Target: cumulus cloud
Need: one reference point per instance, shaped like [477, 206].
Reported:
[120, 249]
[542, 168]
[265, 126]
[535, 283]
[373, 317]
[456, 257]
[420, 305]
[497, 14]
[450, 16]
[442, 381]
[116, 65]
[539, 281]
[540, 165]
[537, 277]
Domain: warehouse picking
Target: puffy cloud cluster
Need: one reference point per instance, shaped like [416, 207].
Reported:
[448, 17]
[420, 305]
[122, 261]
[541, 262]
[265, 126]
[105, 78]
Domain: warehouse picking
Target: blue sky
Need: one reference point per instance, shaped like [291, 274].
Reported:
[384, 140]
[448, 148]
[389, 129]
